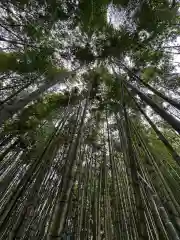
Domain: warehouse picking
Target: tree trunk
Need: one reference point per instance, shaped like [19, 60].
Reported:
[159, 94]
[61, 207]
[159, 134]
[165, 115]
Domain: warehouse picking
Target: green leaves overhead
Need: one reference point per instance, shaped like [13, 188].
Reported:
[35, 32]
[122, 3]
[118, 43]
[93, 14]
[89, 98]
[84, 54]
[152, 16]
[32, 116]
[149, 73]
[31, 60]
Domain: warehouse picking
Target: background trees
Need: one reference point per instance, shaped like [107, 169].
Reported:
[89, 114]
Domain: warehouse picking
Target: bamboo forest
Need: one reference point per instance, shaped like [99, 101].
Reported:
[89, 120]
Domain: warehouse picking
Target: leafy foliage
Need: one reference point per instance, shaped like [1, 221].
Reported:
[89, 123]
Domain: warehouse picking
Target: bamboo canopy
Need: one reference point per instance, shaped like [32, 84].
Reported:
[89, 120]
